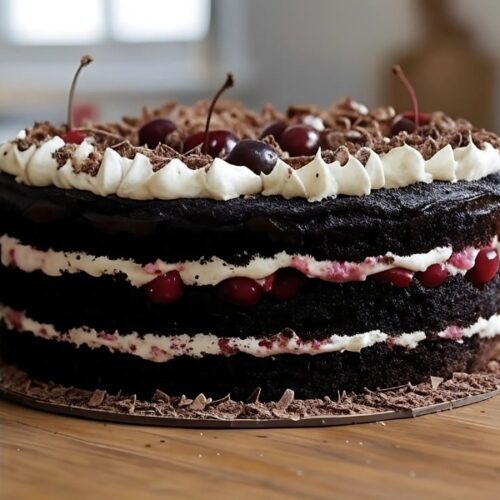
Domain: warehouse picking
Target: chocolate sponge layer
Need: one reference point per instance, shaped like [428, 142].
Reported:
[413, 219]
[319, 310]
[309, 376]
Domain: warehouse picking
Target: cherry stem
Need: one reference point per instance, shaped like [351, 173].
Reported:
[99, 131]
[84, 61]
[398, 71]
[227, 84]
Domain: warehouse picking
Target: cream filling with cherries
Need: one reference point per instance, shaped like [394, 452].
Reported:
[136, 179]
[214, 270]
[161, 348]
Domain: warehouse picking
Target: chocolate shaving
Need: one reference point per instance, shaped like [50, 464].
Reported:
[436, 382]
[184, 402]
[254, 396]
[200, 402]
[286, 400]
[227, 397]
[407, 398]
[127, 404]
[160, 396]
[96, 399]
[350, 129]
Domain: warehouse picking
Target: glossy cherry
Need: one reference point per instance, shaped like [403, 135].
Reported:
[407, 122]
[165, 289]
[256, 155]
[422, 118]
[399, 277]
[155, 132]
[434, 276]
[274, 129]
[286, 283]
[74, 136]
[219, 143]
[243, 292]
[485, 267]
[300, 140]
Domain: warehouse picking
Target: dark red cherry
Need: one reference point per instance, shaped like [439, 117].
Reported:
[410, 120]
[286, 284]
[401, 124]
[300, 140]
[485, 267]
[399, 277]
[155, 132]
[165, 288]
[73, 137]
[433, 276]
[423, 118]
[220, 142]
[244, 292]
[275, 129]
[406, 122]
[255, 155]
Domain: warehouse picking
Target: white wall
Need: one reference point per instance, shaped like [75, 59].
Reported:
[318, 50]
[300, 50]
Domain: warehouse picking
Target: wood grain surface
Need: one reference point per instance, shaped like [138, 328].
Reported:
[454, 454]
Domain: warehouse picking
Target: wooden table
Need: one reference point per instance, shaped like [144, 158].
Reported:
[449, 455]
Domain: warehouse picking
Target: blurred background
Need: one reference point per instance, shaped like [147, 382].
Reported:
[281, 51]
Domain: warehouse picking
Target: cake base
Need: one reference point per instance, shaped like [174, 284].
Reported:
[311, 377]
[161, 410]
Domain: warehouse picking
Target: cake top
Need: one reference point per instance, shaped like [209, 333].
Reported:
[307, 152]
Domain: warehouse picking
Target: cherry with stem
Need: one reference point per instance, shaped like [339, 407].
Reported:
[398, 71]
[229, 83]
[72, 135]
[216, 142]
[408, 121]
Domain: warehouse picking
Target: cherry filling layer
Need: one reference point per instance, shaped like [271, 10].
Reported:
[279, 277]
[286, 283]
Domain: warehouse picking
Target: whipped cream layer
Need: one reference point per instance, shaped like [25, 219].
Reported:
[214, 270]
[158, 348]
[136, 179]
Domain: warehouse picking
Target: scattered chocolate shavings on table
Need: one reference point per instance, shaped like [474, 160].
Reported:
[407, 397]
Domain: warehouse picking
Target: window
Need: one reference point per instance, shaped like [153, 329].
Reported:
[150, 20]
[145, 52]
[57, 22]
